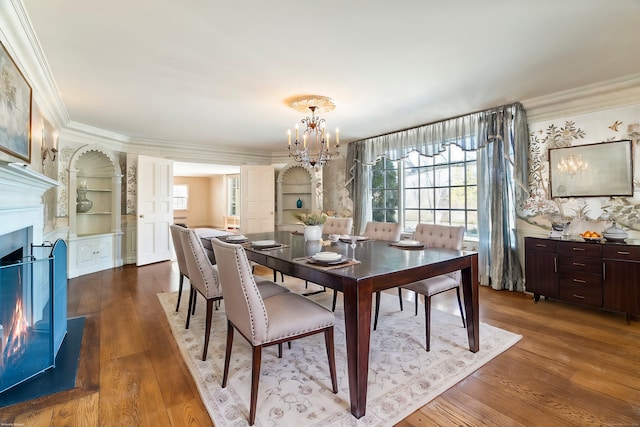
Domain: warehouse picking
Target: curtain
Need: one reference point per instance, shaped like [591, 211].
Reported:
[500, 136]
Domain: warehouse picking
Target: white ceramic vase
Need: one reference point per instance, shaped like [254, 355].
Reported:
[312, 232]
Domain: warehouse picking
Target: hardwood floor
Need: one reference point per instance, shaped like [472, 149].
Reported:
[573, 366]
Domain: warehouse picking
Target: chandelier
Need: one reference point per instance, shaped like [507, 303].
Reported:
[315, 148]
[572, 165]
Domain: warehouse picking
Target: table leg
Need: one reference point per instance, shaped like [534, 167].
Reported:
[470, 291]
[357, 319]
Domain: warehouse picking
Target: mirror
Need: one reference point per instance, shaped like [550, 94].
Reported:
[603, 169]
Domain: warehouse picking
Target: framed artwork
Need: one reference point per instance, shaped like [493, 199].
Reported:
[15, 109]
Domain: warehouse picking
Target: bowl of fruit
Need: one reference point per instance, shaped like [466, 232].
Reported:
[591, 236]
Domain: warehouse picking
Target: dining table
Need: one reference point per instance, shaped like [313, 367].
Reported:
[378, 265]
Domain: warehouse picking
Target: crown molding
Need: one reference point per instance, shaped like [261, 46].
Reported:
[21, 42]
[584, 99]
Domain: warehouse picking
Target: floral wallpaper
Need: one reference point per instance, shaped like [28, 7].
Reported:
[335, 195]
[594, 213]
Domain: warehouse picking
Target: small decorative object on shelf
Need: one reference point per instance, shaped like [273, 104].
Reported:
[83, 204]
[299, 203]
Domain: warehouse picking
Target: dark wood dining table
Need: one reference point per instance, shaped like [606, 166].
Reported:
[380, 267]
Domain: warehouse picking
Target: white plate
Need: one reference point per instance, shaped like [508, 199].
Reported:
[327, 256]
[236, 237]
[409, 243]
[264, 243]
[348, 239]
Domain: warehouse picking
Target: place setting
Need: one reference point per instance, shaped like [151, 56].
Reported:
[408, 244]
[234, 238]
[328, 260]
[265, 245]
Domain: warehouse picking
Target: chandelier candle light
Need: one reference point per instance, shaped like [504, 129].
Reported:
[315, 149]
[572, 165]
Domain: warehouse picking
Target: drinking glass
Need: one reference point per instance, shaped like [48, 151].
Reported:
[354, 240]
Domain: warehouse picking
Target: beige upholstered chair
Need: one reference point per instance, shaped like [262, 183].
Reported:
[334, 225]
[182, 263]
[205, 280]
[389, 231]
[439, 236]
[265, 321]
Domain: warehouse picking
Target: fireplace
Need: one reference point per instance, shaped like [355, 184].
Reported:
[32, 279]
[32, 310]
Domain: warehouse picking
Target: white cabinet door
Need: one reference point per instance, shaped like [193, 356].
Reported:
[257, 194]
[155, 210]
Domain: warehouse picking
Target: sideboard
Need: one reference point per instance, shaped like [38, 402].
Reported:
[597, 274]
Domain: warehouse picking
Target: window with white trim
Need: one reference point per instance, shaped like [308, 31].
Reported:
[180, 197]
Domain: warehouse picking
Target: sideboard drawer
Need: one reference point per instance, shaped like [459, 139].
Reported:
[581, 294]
[546, 245]
[580, 249]
[579, 263]
[580, 278]
[630, 253]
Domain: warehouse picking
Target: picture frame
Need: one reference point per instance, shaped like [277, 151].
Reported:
[15, 109]
[604, 169]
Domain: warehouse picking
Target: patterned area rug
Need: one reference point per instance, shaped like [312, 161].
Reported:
[295, 390]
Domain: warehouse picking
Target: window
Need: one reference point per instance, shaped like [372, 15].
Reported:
[384, 191]
[234, 195]
[436, 190]
[180, 197]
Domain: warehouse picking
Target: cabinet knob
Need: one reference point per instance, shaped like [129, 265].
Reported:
[141, 215]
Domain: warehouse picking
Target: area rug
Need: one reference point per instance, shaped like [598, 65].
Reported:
[296, 390]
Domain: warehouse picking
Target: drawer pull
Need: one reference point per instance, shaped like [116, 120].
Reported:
[579, 296]
[581, 264]
[579, 281]
[540, 245]
[578, 249]
[624, 253]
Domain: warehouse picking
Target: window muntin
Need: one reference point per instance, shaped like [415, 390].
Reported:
[233, 207]
[385, 191]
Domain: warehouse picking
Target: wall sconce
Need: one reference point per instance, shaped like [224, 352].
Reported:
[48, 152]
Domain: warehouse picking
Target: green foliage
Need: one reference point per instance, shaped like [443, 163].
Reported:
[312, 218]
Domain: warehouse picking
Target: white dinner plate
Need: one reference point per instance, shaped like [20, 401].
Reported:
[327, 256]
[348, 239]
[264, 242]
[236, 237]
[409, 243]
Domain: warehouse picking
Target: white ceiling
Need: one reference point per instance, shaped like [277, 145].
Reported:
[218, 72]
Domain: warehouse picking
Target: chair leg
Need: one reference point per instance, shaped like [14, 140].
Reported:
[207, 328]
[335, 300]
[227, 354]
[417, 297]
[195, 298]
[255, 378]
[180, 291]
[464, 324]
[427, 320]
[375, 317]
[280, 351]
[191, 302]
[400, 298]
[328, 339]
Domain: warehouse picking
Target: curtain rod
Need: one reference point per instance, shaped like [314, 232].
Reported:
[436, 121]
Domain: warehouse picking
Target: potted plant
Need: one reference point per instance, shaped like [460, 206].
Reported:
[313, 224]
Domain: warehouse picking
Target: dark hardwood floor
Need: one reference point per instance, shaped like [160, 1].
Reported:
[573, 366]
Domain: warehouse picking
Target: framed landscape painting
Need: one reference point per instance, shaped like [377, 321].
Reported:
[15, 109]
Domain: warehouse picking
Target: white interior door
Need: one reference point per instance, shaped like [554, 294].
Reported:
[155, 210]
[257, 195]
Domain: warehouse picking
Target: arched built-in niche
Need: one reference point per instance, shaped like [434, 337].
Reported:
[297, 182]
[94, 233]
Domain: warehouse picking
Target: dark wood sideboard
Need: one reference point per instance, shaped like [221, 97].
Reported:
[603, 275]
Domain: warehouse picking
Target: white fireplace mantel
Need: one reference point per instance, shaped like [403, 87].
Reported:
[22, 187]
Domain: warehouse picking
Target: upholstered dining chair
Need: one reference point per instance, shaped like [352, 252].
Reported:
[334, 225]
[439, 236]
[182, 263]
[205, 280]
[266, 321]
[388, 231]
